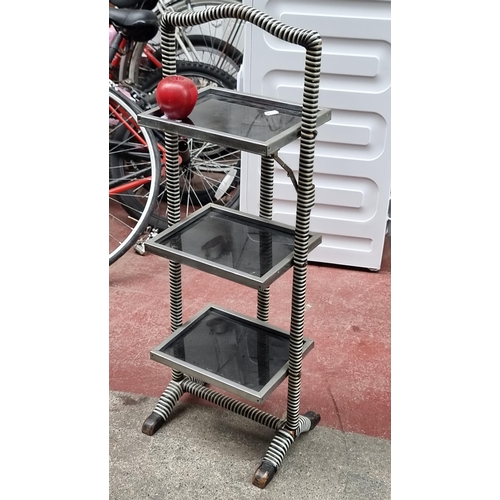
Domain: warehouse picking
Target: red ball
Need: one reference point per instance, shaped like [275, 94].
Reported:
[176, 96]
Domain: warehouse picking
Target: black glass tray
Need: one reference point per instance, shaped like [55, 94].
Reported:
[230, 244]
[242, 355]
[242, 121]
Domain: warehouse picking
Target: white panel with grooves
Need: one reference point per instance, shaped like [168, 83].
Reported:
[352, 160]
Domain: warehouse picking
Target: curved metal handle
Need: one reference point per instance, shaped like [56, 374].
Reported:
[309, 39]
[306, 38]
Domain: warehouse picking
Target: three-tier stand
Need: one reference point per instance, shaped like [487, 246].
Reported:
[241, 355]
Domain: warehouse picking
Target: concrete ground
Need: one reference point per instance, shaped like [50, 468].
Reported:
[210, 453]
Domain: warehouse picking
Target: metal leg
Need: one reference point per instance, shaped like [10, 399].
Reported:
[265, 244]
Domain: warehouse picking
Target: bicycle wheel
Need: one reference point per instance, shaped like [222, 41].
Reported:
[209, 173]
[134, 175]
[146, 57]
[229, 30]
[213, 173]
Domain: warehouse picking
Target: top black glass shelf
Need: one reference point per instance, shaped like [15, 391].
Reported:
[234, 119]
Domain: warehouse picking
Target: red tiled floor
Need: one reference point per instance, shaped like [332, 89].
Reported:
[345, 378]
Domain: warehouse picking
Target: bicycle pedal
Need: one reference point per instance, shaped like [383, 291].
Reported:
[140, 249]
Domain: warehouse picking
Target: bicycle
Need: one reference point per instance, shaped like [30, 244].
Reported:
[209, 173]
[135, 59]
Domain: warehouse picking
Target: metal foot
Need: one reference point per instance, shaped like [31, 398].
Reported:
[140, 247]
[163, 408]
[279, 447]
[314, 418]
[152, 424]
[263, 475]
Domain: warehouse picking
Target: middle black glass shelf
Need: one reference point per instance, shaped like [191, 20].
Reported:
[240, 247]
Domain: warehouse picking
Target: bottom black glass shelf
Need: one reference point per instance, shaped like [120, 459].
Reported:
[245, 356]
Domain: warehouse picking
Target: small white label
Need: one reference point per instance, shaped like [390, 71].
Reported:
[271, 113]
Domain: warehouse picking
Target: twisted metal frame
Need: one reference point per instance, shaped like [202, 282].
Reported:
[287, 430]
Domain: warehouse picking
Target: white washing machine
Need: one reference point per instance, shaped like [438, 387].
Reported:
[353, 150]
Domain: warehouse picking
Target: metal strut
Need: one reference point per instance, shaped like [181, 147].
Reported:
[288, 170]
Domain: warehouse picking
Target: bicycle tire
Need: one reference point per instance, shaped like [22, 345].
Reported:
[218, 28]
[133, 156]
[194, 70]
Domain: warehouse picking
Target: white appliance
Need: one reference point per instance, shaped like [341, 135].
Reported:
[353, 150]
